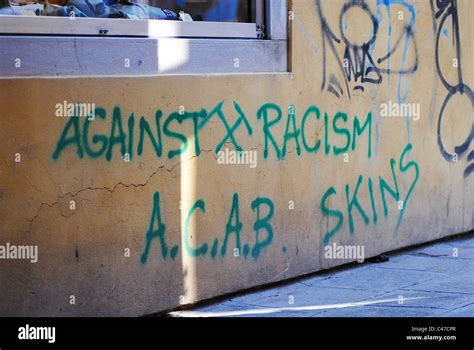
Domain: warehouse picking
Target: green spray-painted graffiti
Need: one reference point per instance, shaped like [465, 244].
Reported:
[352, 198]
[76, 134]
[262, 225]
[340, 136]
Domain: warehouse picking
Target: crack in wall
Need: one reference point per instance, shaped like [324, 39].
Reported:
[111, 190]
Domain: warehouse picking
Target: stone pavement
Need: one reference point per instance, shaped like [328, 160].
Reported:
[427, 281]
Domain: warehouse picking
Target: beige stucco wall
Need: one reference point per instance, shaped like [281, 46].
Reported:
[82, 251]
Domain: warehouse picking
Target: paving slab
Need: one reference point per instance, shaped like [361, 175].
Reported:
[427, 281]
